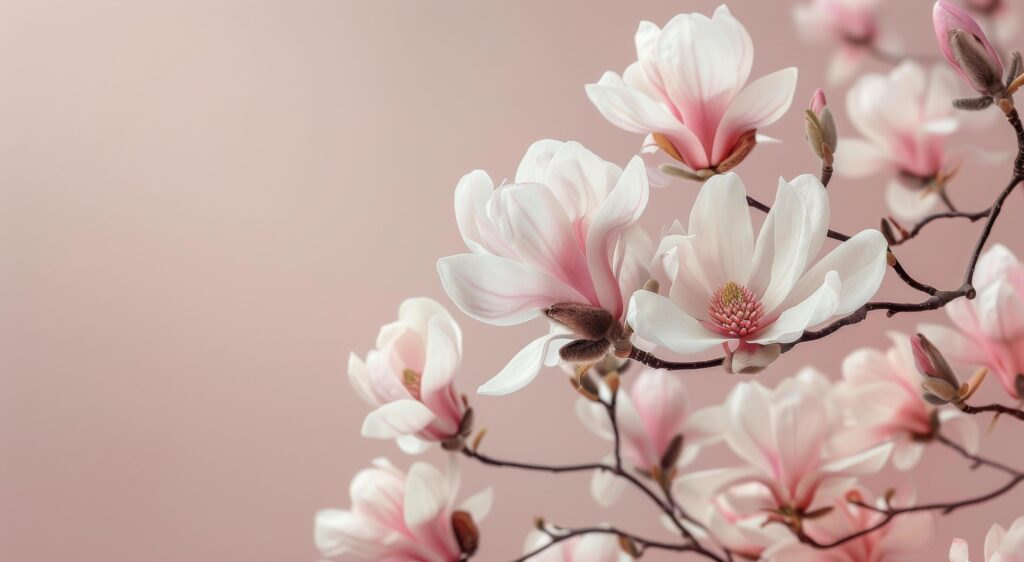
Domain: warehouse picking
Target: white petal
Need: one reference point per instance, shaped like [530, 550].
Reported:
[394, 419]
[629, 109]
[761, 103]
[500, 291]
[906, 454]
[910, 204]
[720, 223]
[412, 445]
[858, 158]
[960, 428]
[606, 487]
[535, 165]
[1000, 309]
[861, 464]
[443, 357]
[658, 320]
[479, 505]
[426, 495]
[359, 379]
[860, 263]
[471, 196]
[958, 551]
[783, 247]
[339, 532]
[813, 310]
[524, 367]
[994, 263]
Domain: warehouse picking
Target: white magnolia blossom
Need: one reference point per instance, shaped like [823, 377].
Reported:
[1001, 545]
[563, 232]
[727, 287]
[850, 27]
[594, 547]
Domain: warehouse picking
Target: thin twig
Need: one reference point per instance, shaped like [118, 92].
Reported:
[642, 543]
[998, 408]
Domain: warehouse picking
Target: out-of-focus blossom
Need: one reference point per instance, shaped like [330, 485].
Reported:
[998, 16]
[399, 517]
[989, 328]
[659, 433]
[851, 26]
[906, 119]
[793, 439]
[967, 49]
[409, 377]
[901, 539]
[1001, 545]
[688, 90]
[561, 238]
[732, 518]
[727, 288]
[593, 547]
[881, 393]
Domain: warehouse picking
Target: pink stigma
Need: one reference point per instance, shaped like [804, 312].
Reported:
[735, 311]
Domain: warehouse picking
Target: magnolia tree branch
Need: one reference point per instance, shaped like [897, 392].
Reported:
[640, 544]
[999, 409]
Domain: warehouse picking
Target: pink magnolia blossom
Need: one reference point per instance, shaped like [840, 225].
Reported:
[989, 328]
[901, 539]
[689, 89]
[949, 21]
[651, 413]
[793, 439]
[564, 232]
[594, 547]
[727, 288]
[905, 119]
[399, 517]
[998, 16]
[881, 393]
[851, 26]
[409, 377]
[733, 518]
[1001, 545]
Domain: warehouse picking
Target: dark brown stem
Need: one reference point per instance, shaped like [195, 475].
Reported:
[641, 543]
[998, 408]
[826, 173]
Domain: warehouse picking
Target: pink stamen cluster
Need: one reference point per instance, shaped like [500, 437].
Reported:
[735, 311]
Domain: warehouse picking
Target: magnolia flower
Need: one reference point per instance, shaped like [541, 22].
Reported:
[881, 393]
[659, 433]
[688, 90]
[402, 517]
[997, 15]
[1000, 545]
[564, 233]
[592, 547]
[727, 288]
[967, 49]
[732, 518]
[850, 25]
[793, 439]
[989, 328]
[408, 378]
[901, 539]
[905, 118]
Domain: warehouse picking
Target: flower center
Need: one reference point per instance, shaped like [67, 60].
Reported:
[735, 311]
[412, 380]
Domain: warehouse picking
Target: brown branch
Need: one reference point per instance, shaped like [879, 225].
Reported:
[642, 544]
[998, 408]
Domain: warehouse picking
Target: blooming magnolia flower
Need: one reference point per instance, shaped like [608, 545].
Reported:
[793, 438]
[659, 433]
[1000, 545]
[733, 519]
[398, 517]
[989, 328]
[850, 25]
[564, 233]
[408, 377]
[881, 393]
[727, 288]
[906, 119]
[967, 49]
[594, 547]
[901, 539]
[688, 89]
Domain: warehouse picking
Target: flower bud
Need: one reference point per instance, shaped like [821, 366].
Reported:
[966, 47]
[467, 535]
[584, 350]
[820, 127]
[588, 322]
[752, 359]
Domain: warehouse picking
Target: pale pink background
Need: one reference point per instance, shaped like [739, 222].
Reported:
[207, 205]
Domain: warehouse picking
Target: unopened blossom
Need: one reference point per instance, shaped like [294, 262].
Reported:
[659, 433]
[1001, 545]
[592, 547]
[728, 288]
[967, 49]
[850, 27]
[562, 241]
[881, 393]
[408, 378]
[820, 128]
[396, 516]
[793, 440]
[688, 90]
[989, 329]
[906, 119]
[903, 538]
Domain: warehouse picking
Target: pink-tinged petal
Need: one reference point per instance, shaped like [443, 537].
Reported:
[620, 210]
[844, 64]
[947, 17]
[416, 313]
[910, 204]
[958, 551]
[706, 426]
[501, 291]
[602, 547]
[815, 309]
[426, 495]
[479, 505]
[708, 483]
[394, 419]
[761, 103]
[907, 537]
[797, 444]
[360, 379]
[659, 400]
[861, 464]
[659, 320]
[954, 346]
[748, 434]
[860, 263]
[858, 158]
[443, 358]
[1000, 310]
[993, 264]
[338, 532]
[961, 429]
[606, 487]
[906, 454]
[578, 178]
[724, 236]
[471, 196]
[524, 366]
[628, 109]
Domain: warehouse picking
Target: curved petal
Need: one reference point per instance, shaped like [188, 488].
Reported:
[443, 358]
[394, 419]
[501, 291]
[427, 495]
[479, 504]
[658, 320]
[860, 263]
[720, 223]
[813, 310]
[908, 203]
[861, 464]
[761, 103]
[471, 196]
[995, 263]
[783, 247]
[359, 379]
[524, 367]
[958, 551]
[412, 445]
[961, 429]
[858, 158]
[606, 487]
[906, 454]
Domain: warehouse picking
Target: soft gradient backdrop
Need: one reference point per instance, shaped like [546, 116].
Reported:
[206, 205]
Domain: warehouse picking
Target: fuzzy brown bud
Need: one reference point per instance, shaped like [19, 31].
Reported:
[586, 321]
